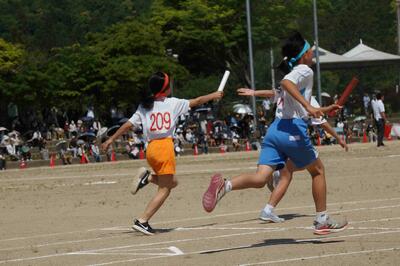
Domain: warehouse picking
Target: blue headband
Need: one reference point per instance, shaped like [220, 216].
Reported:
[295, 59]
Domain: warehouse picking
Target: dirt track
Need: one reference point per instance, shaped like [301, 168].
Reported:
[80, 215]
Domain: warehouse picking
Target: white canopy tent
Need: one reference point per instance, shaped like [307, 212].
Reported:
[329, 60]
[358, 57]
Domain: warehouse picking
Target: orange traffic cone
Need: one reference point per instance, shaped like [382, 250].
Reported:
[52, 161]
[22, 164]
[83, 159]
[388, 131]
[195, 150]
[248, 148]
[365, 139]
[222, 148]
[141, 153]
[113, 157]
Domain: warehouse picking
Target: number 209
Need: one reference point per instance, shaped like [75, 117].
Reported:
[160, 121]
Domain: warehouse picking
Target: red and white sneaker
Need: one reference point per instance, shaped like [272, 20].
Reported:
[329, 226]
[214, 193]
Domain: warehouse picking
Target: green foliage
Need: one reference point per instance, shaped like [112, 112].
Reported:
[99, 52]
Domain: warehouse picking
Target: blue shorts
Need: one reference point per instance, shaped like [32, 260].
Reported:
[287, 138]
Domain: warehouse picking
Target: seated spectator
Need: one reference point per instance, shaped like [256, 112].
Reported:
[73, 146]
[95, 151]
[2, 160]
[10, 148]
[132, 149]
[178, 147]
[26, 153]
[72, 129]
[211, 140]
[37, 140]
[235, 141]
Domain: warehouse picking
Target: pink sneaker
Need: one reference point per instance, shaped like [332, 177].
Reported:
[215, 191]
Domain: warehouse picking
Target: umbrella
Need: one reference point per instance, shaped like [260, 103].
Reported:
[359, 118]
[203, 109]
[86, 118]
[325, 94]
[242, 109]
[88, 136]
[61, 145]
[235, 127]
[25, 149]
[112, 130]
[101, 132]
[3, 129]
[123, 120]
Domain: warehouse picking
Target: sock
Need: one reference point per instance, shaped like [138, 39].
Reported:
[228, 186]
[269, 208]
[321, 217]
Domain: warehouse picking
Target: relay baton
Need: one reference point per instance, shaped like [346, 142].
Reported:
[346, 93]
[224, 80]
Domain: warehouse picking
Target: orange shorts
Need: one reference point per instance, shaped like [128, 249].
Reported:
[161, 156]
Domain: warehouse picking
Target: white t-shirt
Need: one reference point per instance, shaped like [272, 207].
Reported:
[302, 77]
[378, 108]
[314, 103]
[160, 121]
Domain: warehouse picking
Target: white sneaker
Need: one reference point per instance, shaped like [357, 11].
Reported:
[270, 217]
[140, 180]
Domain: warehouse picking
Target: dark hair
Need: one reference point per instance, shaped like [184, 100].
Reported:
[290, 49]
[379, 96]
[155, 84]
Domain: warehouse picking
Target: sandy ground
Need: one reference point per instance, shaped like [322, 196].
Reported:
[81, 215]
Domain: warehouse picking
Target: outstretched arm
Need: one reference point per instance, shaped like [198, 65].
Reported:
[327, 127]
[257, 93]
[205, 98]
[124, 128]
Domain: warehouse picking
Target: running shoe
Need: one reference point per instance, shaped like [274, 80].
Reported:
[144, 228]
[214, 193]
[329, 226]
[270, 217]
[140, 180]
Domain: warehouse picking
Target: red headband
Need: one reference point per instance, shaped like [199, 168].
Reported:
[164, 88]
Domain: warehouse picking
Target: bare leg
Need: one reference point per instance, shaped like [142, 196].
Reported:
[286, 175]
[317, 171]
[253, 180]
[280, 190]
[165, 184]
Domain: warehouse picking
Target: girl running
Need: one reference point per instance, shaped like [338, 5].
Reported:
[157, 115]
[287, 138]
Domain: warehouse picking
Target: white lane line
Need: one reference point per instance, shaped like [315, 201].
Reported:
[199, 171]
[195, 218]
[249, 246]
[100, 183]
[324, 256]
[112, 249]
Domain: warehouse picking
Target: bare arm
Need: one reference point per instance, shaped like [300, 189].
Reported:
[124, 128]
[205, 98]
[384, 116]
[291, 88]
[257, 93]
[327, 127]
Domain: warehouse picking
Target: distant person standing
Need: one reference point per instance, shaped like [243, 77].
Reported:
[380, 117]
[366, 101]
